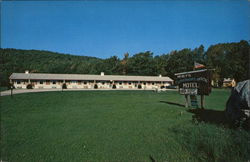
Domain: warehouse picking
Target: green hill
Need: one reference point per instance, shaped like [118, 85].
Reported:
[230, 60]
[14, 60]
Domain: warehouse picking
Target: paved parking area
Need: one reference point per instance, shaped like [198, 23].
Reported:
[18, 91]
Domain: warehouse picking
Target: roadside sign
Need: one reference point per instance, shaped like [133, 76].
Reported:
[195, 83]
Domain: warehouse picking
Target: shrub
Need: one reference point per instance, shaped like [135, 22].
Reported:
[9, 86]
[95, 86]
[29, 86]
[139, 86]
[114, 86]
[64, 86]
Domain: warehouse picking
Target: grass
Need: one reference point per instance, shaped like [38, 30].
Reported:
[3, 88]
[115, 126]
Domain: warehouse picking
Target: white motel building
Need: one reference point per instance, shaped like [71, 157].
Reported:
[82, 81]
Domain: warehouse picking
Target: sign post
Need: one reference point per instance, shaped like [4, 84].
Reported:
[202, 101]
[11, 90]
[195, 83]
[186, 101]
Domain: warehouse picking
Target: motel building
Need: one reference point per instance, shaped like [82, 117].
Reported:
[82, 81]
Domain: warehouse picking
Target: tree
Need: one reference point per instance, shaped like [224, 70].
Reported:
[141, 64]
[179, 61]
[112, 65]
[124, 63]
[230, 60]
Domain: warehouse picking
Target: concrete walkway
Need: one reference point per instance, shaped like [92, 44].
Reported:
[19, 91]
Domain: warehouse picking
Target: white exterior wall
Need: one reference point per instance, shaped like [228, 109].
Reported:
[79, 85]
[22, 85]
[89, 85]
[37, 85]
[104, 86]
[47, 86]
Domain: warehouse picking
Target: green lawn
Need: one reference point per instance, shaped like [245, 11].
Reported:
[3, 88]
[115, 126]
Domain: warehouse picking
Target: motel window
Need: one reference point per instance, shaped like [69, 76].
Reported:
[18, 82]
[41, 82]
[47, 82]
[120, 83]
[84, 82]
[153, 83]
[144, 83]
[103, 83]
[129, 83]
[54, 82]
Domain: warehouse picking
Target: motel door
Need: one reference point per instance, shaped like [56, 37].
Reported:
[74, 84]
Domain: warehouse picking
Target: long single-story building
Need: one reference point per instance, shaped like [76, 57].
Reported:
[82, 81]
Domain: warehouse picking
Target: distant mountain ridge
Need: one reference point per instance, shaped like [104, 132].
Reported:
[16, 60]
[34, 51]
[230, 60]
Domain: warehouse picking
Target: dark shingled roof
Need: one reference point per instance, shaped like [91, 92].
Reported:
[45, 76]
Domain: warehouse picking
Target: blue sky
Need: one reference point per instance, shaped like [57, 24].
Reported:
[106, 28]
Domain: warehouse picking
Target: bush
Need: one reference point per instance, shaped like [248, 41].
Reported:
[64, 86]
[29, 86]
[9, 86]
[139, 86]
[114, 86]
[95, 86]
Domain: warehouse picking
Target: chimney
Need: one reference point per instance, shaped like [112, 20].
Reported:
[160, 76]
[102, 73]
[26, 71]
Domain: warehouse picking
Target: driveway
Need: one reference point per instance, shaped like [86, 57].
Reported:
[19, 91]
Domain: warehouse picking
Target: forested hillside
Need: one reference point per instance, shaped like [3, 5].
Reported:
[230, 60]
[14, 60]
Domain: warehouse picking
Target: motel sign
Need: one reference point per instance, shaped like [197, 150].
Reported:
[195, 82]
